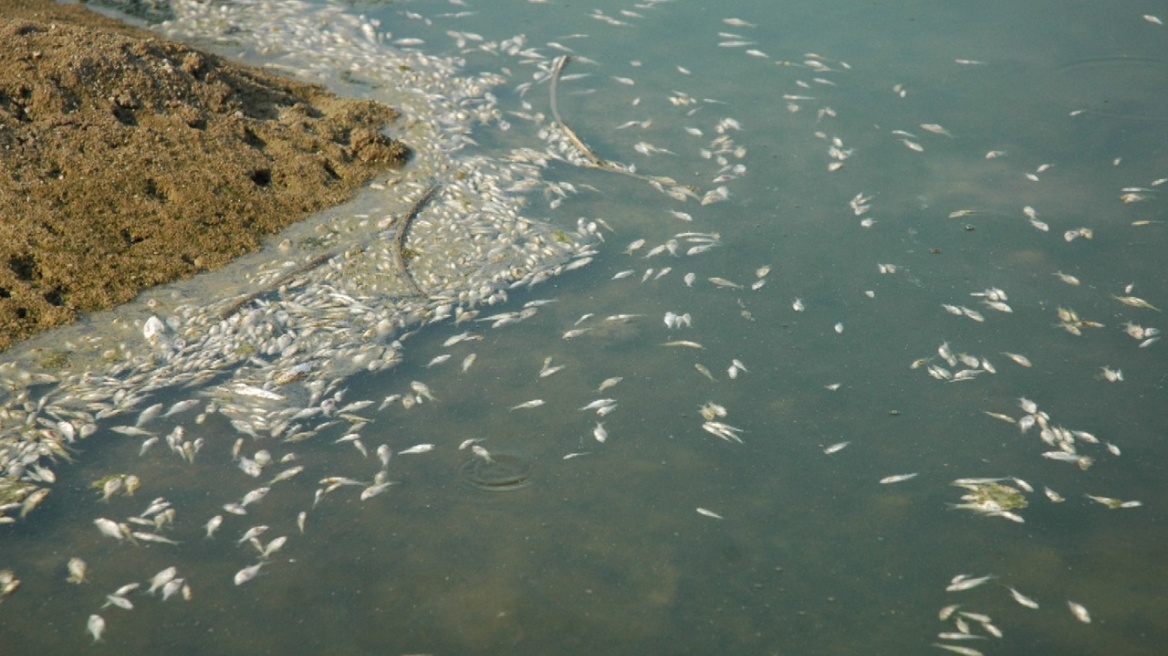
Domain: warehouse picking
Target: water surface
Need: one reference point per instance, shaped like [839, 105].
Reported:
[604, 552]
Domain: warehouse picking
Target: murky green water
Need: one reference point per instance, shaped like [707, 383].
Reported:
[603, 552]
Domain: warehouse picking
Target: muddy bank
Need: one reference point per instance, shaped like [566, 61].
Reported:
[127, 160]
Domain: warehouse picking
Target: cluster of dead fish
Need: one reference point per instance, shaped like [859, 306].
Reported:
[971, 626]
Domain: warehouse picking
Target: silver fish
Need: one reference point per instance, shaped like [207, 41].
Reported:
[77, 569]
[251, 533]
[153, 537]
[109, 528]
[181, 406]
[273, 546]
[172, 586]
[1022, 599]
[897, 478]
[420, 448]
[374, 490]
[247, 573]
[119, 601]
[254, 496]
[162, 578]
[964, 582]
[599, 433]
[96, 626]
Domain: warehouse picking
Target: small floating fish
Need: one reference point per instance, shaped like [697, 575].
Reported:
[77, 569]
[897, 478]
[1079, 611]
[247, 573]
[965, 582]
[420, 448]
[600, 433]
[1022, 599]
[96, 626]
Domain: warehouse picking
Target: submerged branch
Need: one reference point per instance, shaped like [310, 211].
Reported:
[275, 284]
[399, 238]
[594, 160]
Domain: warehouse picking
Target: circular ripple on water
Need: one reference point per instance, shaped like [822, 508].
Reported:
[503, 473]
[1117, 86]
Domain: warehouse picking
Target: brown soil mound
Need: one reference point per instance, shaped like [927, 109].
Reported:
[127, 160]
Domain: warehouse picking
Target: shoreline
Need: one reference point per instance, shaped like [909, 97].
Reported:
[334, 297]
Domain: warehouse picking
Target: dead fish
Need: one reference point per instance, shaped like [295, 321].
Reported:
[963, 582]
[374, 490]
[181, 406]
[96, 626]
[286, 474]
[1021, 360]
[213, 525]
[254, 496]
[599, 433]
[1135, 301]
[162, 578]
[247, 573]
[609, 382]
[153, 537]
[635, 245]
[421, 388]
[481, 452]
[119, 601]
[149, 414]
[110, 528]
[420, 448]
[897, 478]
[77, 568]
[1022, 599]
[958, 649]
[722, 282]
[171, 588]
[936, 129]
[437, 360]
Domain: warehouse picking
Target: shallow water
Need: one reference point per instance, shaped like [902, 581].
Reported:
[603, 552]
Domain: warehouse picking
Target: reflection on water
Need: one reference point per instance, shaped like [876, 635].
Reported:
[597, 546]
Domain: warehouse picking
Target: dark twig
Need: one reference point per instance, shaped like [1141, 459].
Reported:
[594, 160]
[275, 284]
[399, 238]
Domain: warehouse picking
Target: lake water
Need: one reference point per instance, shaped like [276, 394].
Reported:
[878, 163]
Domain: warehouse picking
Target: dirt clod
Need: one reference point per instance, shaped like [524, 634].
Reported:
[127, 160]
